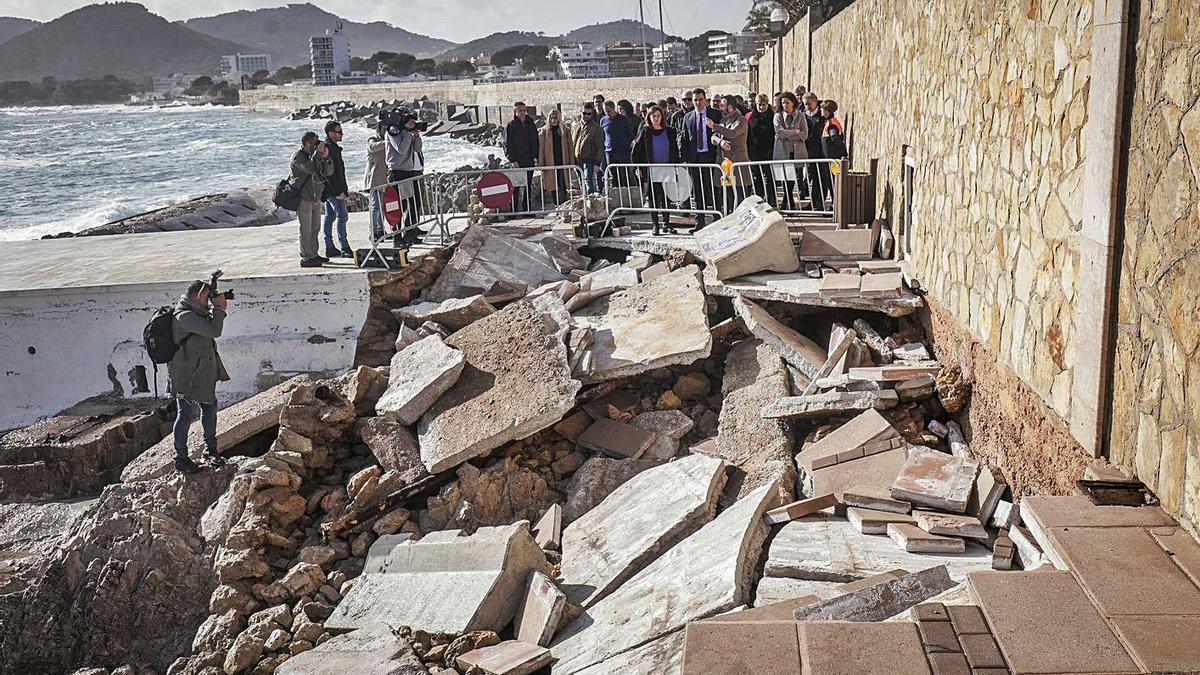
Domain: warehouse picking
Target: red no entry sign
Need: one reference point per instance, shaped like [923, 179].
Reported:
[495, 190]
[393, 212]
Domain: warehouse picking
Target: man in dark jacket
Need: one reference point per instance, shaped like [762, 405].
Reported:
[311, 167]
[521, 148]
[195, 370]
[618, 141]
[819, 178]
[695, 147]
[335, 194]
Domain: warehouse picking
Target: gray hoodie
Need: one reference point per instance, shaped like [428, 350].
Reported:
[196, 369]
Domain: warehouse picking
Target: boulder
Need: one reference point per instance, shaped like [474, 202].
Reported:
[632, 527]
[446, 582]
[516, 382]
[454, 313]
[375, 650]
[420, 374]
[754, 238]
[491, 263]
[655, 324]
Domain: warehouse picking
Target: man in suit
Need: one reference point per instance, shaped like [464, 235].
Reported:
[695, 147]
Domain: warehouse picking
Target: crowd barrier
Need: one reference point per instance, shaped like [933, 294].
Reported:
[399, 207]
[526, 191]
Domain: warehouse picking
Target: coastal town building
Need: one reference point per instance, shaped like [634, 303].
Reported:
[582, 61]
[731, 52]
[233, 66]
[330, 57]
[170, 86]
[672, 58]
[626, 59]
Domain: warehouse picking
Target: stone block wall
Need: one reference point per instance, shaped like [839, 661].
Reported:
[1156, 388]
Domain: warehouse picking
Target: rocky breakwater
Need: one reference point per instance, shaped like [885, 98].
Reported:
[461, 125]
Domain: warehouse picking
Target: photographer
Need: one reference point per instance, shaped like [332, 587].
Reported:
[406, 160]
[195, 370]
[310, 168]
[376, 175]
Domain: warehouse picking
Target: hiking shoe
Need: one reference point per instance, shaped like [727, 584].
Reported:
[185, 465]
[213, 458]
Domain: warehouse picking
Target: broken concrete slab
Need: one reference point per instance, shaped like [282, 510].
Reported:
[708, 573]
[795, 348]
[911, 351]
[634, 525]
[839, 647]
[419, 375]
[839, 285]
[754, 238]
[374, 650]
[1030, 553]
[851, 586]
[933, 478]
[562, 251]
[799, 509]
[659, 323]
[446, 583]
[547, 532]
[989, 488]
[669, 427]
[950, 524]
[540, 612]
[511, 657]
[874, 498]
[490, 263]
[393, 446]
[877, 469]
[830, 403]
[863, 429]
[893, 373]
[881, 600]
[453, 313]
[379, 554]
[778, 611]
[596, 479]
[735, 647]
[799, 289]
[612, 278]
[617, 439]
[916, 540]
[869, 521]
[828, 548]
[761, 449]
[516, 382]
[917, 388]
[778, 590]
[661, 655]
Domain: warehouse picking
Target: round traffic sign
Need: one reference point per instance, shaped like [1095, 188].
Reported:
[495, 190]
[393, 210]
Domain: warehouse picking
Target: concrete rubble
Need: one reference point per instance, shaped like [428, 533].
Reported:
[754, 238]
[453, 313]
[492, 264]
[419, 375]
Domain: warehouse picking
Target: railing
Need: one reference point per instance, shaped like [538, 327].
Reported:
[790, 185]
[664, 190]
[529, 197]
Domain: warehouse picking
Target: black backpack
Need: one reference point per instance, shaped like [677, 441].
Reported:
[287, 194]
[159, 339]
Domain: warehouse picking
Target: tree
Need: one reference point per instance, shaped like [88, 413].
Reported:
[455, 69]
[759, 17]
[203, 81]
[534, 55]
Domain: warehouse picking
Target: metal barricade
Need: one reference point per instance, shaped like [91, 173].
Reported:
[795, 187]
[412, 203]
[528, 195]
[663, 190]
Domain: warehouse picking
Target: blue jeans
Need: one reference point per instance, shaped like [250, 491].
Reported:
[376, 216]
[183, 420]
[336, 208]
[589, 176]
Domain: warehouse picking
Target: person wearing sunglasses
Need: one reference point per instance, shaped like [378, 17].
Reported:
[589, 145]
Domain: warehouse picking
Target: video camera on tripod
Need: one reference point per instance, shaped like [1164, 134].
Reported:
[398, 118]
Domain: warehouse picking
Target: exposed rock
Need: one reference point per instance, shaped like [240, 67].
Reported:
[691, 387]
[218, 632]
[245, 652]
[419, 376]
[502, 493]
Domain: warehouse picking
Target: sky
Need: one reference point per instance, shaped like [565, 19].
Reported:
[457, 20]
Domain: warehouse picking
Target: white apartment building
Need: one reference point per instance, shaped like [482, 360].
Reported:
[330, 57]
[672, 58]
[233, 66]
[731, 52]
[581, 61]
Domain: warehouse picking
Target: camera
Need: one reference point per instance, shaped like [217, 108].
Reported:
[397, 118]
[212, 287]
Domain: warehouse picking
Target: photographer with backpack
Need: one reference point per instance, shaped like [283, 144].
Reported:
[195, 369]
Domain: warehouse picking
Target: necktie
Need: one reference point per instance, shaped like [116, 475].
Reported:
[700, 130]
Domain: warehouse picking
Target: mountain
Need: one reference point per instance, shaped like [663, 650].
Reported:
[283, 32]
[623, 30]
[11, 26]
[120, 38]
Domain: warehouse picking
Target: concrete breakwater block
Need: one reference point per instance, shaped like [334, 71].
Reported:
[446, 582]
[754, 238]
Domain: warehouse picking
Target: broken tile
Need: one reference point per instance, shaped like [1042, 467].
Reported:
[754, 238]
[777, 590]
[967, 619]
[880, 601]
[915, 540]
[420, 374]
[734, 648]
[893, 373]
[510, 657]
[641, 519]
[933, 478]
[838, 647]
[1044, 623]
[795, 348]
[938, 636]
[453, 313]
[547, 532]
[799, 509]
[540, 612]
[868, 521]
[1161, 644]
[669, 426]
[830, 403]
[617, 439]
[837, 285]
[875, 498]
[950, 524]
[865, 428]
[883, 285]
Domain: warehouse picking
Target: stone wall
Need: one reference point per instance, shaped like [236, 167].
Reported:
[1156, 390]
[463, 91]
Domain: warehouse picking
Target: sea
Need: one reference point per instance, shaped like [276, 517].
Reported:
[69, 168]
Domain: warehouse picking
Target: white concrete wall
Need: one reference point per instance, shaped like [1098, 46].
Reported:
[275, 324]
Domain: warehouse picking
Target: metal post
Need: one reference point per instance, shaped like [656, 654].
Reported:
[642, 20]
[662, 40]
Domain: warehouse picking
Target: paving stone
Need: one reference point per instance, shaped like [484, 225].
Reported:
[875, 499]
[950, 524]
[938, 636]
[446, 583]
[635, 524]
[1029, 551]
[868, 521]
[828, 548]
[839, 647]
[540, 612]
[865, 428]
[776, 611]
[652, 325]
[878, 266]
[967, 619]
[796, 349]
[708, 573]
[617, 439]
[1182, 548]
[981, 651]
[883, 285]
[420, 374]
[989, 488]
[1125, 571]
[547, 532]
[855, 244]
[374, 650]
[1078, 511]
[754, 238]
[491, 263]
[510, 657]
[669, 427]
[949, 664]
[799, 509]
[893, 373]
[453, 313]
[516, 382]
[1044, 623]
[830, 403]
[933, 478]
[1004, 553]
[735, 648]
[775, 590]
[915, 540]
[837, 285]
[879, 470]
[1162, 644]
[931, 611]
[882, 600]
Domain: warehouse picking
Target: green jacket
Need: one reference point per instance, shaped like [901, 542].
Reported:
[315, 169]
[196, 369]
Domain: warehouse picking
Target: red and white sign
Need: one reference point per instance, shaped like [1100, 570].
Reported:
[495, 190]
[393, 211]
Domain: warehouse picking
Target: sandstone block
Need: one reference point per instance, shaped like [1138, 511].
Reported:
[754, 238]
[669, 427]
[368, 651]
[830, 403]
[880, 601]
[540, 612]
[420, 374]
[596, 479]
[933, 478]
[453, 313]
[507, 658]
